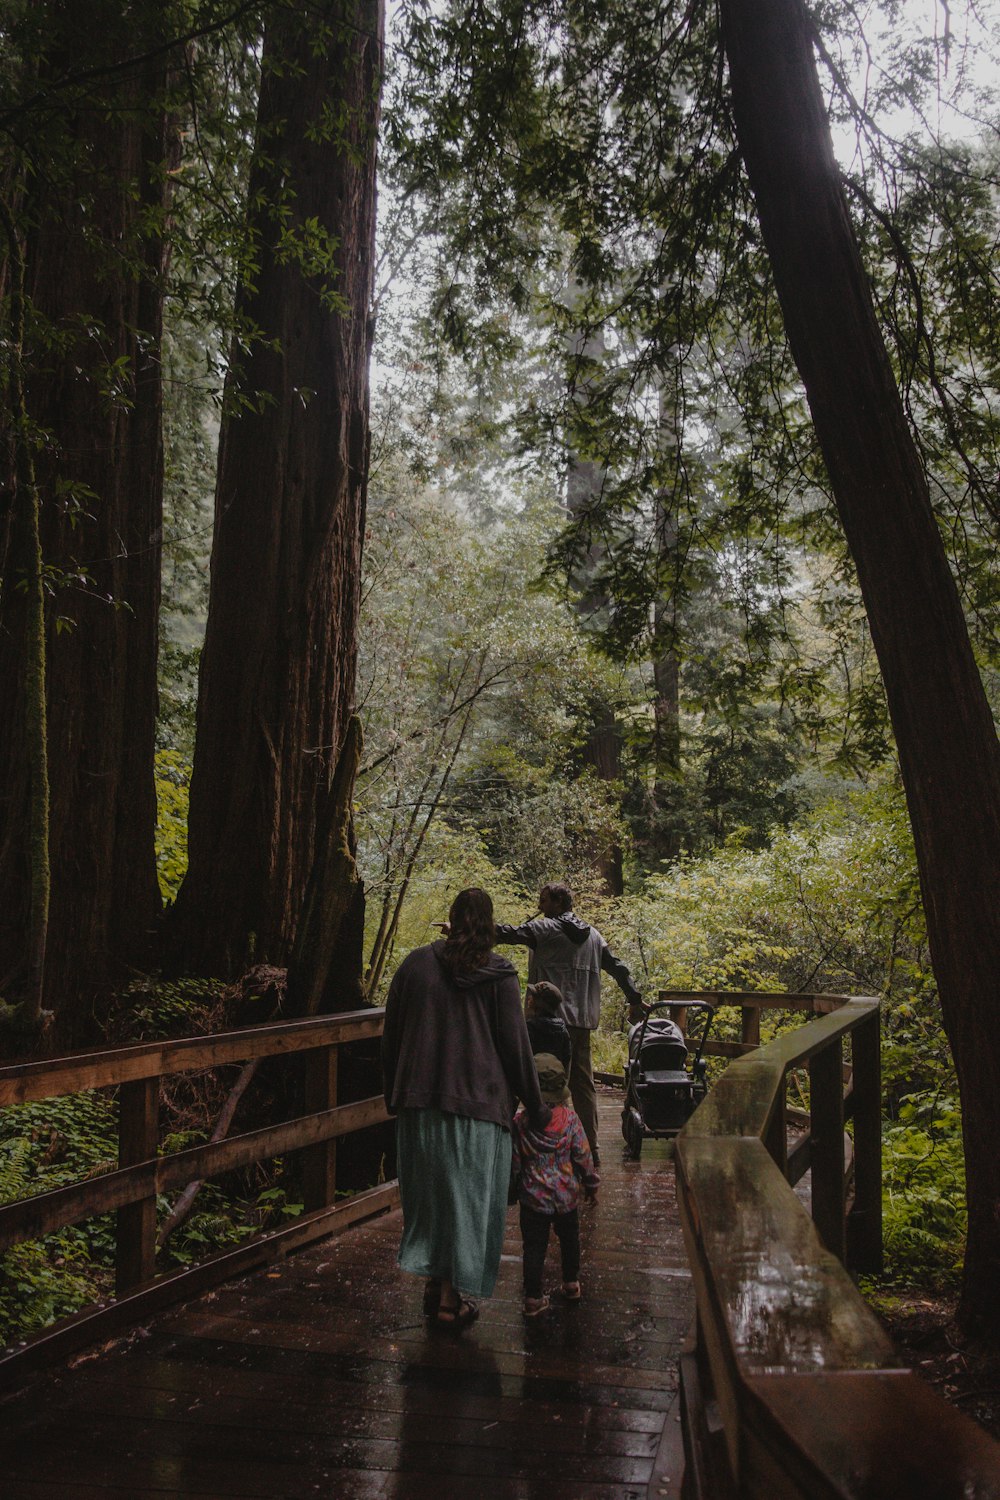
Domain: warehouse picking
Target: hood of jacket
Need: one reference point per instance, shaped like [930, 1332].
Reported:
[549, 1140]
[572, 928]
[495, 967]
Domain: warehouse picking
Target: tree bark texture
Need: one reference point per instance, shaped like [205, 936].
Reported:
[948, 748]
[94, 262]
[665, 837]
[278, 664]
[601, 751]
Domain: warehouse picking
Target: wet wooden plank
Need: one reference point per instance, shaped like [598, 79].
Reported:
[233, 1388]
[321, 1376]
[487, 1427]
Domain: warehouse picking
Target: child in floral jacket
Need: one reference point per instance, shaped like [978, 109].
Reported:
[553, 1168]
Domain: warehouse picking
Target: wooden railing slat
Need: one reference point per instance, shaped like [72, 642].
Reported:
[319, 1163]
[864, 1222]
[826, 1071]
[135, 1234]
[105, 1067]
[820, 1003]
[32, 1217]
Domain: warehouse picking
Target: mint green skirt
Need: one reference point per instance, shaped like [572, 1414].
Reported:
[453, 1179]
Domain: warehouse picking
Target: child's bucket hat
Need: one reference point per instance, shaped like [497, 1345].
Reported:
[551, 1078]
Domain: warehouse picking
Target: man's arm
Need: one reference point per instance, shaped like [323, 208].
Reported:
[620, 974]
[522, 937]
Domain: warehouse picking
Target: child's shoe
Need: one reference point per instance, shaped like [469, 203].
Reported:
[535, 1306]
[571, 1291]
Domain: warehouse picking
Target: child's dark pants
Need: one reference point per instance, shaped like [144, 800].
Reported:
[535, 1237]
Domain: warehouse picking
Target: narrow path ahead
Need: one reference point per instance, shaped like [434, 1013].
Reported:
[319, 1377]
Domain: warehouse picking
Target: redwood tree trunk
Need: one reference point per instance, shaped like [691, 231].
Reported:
[665, 837]
[94, 257]
[947, 743]
[278, 664]
[602, 731]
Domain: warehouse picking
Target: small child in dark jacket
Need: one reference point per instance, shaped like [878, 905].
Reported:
[553, 1167]
[547, 1031]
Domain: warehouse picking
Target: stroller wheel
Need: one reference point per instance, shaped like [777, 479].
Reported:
[633, 1133]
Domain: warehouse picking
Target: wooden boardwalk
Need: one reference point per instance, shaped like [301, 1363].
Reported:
[319, 1377]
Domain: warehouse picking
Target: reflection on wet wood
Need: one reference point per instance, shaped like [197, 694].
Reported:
[794, 1390]
[320, 1376]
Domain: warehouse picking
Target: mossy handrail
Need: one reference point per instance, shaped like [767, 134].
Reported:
[792, 1388]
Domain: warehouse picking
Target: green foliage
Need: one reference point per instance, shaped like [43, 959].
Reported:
[152, 1008]
[47, 1145]
[831, 905]
[55, 1142]
[173, 777]
[217, 1223]
[923, 1187]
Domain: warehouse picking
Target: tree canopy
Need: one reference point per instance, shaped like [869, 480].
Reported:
[673, 541]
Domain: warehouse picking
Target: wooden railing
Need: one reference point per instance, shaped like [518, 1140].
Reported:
[143, 1173]
[792, 1388]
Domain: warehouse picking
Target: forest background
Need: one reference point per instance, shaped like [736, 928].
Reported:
[610, 630]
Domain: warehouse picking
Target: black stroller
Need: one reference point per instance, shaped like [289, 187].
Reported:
[662, 1088]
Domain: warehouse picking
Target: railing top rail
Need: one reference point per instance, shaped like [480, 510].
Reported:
[788, 1305]
[742, 1101]
[813, 1399]
[106, 1066]
[760, 999]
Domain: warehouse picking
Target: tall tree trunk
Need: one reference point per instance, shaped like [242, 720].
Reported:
[665, 837]
[602, 732]
[26, 509]
[278, 664]
[948, 748]
[94, 261]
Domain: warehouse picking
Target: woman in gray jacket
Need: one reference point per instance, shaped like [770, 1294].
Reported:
[456, 1058]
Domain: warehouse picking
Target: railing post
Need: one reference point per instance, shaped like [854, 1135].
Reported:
[135, 1236]
[826, 1110]
[319, 1163]
[776, 1133]
[750, 1025]
[864, 1222]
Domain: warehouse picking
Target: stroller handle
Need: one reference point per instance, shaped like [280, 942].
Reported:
[689, 1005]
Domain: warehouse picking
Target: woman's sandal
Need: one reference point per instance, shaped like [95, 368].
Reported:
[571, 1291]
[458, 1317]
[535, 1306]
[432, 1297]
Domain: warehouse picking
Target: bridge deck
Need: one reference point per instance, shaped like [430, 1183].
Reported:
[320, 1377]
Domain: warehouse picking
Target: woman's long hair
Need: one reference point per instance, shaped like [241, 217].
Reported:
[471, 931]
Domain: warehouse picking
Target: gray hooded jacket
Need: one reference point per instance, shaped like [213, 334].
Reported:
[571, 955]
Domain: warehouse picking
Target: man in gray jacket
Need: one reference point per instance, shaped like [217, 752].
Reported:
[571, 955]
